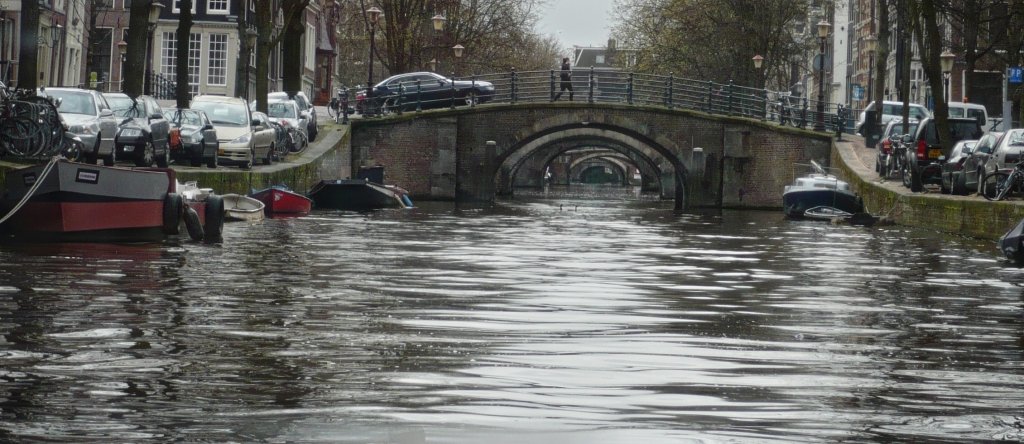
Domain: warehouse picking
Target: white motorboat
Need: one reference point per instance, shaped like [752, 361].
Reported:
[820, 195]
[245, 208]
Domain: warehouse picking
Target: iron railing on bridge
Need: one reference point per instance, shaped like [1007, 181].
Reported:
[617, 86]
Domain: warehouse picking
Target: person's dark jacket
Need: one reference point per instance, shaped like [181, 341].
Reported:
[566, 72]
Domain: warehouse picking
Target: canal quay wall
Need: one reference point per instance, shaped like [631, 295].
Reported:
[972, 216]
[329, 157]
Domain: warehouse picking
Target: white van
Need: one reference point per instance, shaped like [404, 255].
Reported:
[893, 110]
[971, 110]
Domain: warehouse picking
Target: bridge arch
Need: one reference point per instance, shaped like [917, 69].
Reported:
[620, 134]
[472, 154]
[530, 171]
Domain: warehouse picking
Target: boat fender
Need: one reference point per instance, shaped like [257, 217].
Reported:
[407, 201]
[173, 207]
[193, 225]
[214, 218]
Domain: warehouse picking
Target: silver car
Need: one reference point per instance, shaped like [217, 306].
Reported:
[90, 118]
[286, 113]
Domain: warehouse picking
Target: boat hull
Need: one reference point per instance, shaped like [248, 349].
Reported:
[278, 201]
[242, 208]
[1011, 243]
[81, 202]
[354, 195]
[795, 203]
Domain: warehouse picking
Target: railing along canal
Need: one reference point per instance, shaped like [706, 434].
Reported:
[620, 87]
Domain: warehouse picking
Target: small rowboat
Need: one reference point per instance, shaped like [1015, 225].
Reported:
[239, 207]
[279, 200]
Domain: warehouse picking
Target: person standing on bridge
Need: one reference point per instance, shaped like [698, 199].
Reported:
[566, 77]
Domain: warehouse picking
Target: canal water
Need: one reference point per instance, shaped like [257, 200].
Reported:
[547, 319]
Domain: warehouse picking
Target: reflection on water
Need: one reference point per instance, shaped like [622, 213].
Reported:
[558, 320]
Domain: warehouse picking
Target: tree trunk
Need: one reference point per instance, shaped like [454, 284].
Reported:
[931, 48]
[183, 91]
[291, 46]
[242, 67]
[135, 68]
[264, 29]
[28, 54]
[881, 59]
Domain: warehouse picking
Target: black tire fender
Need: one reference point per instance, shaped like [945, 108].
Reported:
[173, 206]
[193, 225]
[214, 218]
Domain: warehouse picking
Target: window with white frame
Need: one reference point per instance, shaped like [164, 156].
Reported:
[169, 60]
[310, 46]
[217, 74]
[176, 8]
[216, 6]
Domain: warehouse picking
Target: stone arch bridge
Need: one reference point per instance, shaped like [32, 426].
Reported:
[479, 153]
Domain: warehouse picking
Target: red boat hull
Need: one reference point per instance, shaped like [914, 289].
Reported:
[83, 202]
[278, 201]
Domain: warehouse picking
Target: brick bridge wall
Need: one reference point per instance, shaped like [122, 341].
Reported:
[445, 155]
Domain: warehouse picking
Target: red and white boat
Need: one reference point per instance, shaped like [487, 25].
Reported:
[279, 200]
[70, 201]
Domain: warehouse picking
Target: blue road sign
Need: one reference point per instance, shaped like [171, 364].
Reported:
[858, 92]
[1015, 74]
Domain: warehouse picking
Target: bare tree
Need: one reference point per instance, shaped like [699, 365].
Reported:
[182, 91]
[135, 68]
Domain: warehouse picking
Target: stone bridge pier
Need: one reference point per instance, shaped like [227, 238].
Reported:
[478, 154]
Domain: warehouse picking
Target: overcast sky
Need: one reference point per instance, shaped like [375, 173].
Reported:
[577, 22]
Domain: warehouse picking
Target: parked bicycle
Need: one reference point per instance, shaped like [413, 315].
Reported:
[338, 108]
[31, 127]
[998, 185]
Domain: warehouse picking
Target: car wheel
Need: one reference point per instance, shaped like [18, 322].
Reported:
[905, 174]
[248, 162]
[145, 157]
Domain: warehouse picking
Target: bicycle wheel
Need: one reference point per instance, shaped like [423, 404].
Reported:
[995, 186]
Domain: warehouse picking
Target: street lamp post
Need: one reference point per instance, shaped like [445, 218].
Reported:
[946, 61]
[438, 21]
[819, 121]
[457, 49]
[154, 16]
[871, 44]
[758, 62]
[373, 14]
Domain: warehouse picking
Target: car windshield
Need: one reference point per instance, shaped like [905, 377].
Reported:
[899, 128]
[959, 130]
[125, 107]
[897, 110]
[74, 102]
[222, 113]
[281, 109]
[186, 118]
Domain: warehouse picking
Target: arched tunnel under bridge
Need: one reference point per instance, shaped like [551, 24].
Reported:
[477, 154]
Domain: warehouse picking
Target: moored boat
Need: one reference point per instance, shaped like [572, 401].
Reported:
[820, 195]
[357, 195]
[1011, 243]
[244, 208]
[69, 201]
[279, 200]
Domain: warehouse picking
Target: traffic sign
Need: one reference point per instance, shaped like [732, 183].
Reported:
[1015, 74]
[858, 92]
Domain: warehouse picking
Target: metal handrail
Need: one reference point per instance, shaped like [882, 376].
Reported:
[630, 88]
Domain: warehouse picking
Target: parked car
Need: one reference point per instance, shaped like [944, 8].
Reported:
[434, 91]
[296, 123]
[925, 154]
[970, 110]
[193, 139]
[305, 105]
[1007, 152]
[974, 166]
[144, 133]
[242, 137]
[892, 110]
[893, 134]
[952, 168]
[89, 117]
